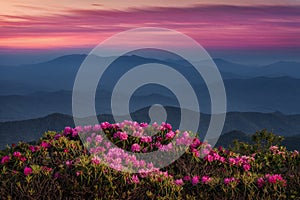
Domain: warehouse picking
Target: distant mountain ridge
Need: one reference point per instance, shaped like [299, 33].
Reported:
[59, 73]
[261, 94]
[248, 123]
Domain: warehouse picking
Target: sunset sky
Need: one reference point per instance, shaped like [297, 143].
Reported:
[218, 25]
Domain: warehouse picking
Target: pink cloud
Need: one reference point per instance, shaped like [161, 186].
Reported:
[212, 26]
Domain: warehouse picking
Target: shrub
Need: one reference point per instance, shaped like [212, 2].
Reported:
[61, 166]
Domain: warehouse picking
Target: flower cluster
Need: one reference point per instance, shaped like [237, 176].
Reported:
[271, 179]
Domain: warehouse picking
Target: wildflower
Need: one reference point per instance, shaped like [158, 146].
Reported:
[209, 158]
[195, 180]
[135, 179]
[178, 182]
[105, 125]
[123, 136]
[22, 158]
[143, 125]
[96, 160]
[260, 182]
[170, 135]
[167, 147]
[135, 147]
[205, 151]
[31, 148]
[146, 139]
[196, 143]
[246, 167]
[275, 178]
[89, 139]
[206, 179]
[98, 138]
[273, 148]
[79, 173]
[67, 130]
[17, 154]
[5, 159]
[195, 152]
[220, 148]
[229, 180]
[69, 163]
[187, 178]
[27, 171]
[45, 144]
[165, 126]
[74, 133]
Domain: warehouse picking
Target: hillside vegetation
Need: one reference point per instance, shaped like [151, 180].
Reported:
[82, 163]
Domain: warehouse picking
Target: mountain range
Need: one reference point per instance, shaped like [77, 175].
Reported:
[258, 97]
[60, 73]
[246, 123]
[259, 94]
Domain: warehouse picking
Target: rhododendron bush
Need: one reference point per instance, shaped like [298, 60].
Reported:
[102, 161]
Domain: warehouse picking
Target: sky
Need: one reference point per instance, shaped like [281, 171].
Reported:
[237, 30]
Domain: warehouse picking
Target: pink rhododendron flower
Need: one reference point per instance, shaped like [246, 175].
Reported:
[79, 173]
[105, 125]
[27, 171]
[135, 147]
[146, 139]
[135, 179]
[69, 163]
[17, 154]
[74, 133]
[178, 182]
[67, 130]
[123, 135]
[195, 152]
[97, 127]
[143, 125]
[167, 147]
[231, 161]
[45, 144]
[23, 159]
[260, 182]
[5, 159]
[170, 135]
[96, 160]
[209, 158]
[246, 167]
[87, 128]
[89, 139]
[205, 151]
[31, 148]
[165, 126]
[195, 180]
[187, 178]
[205, 179]
[273, 148]
[98, 138]
[196, 143]
[229, 180]
[275, 178]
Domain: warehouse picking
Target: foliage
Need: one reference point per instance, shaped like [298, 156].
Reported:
[61, 166]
